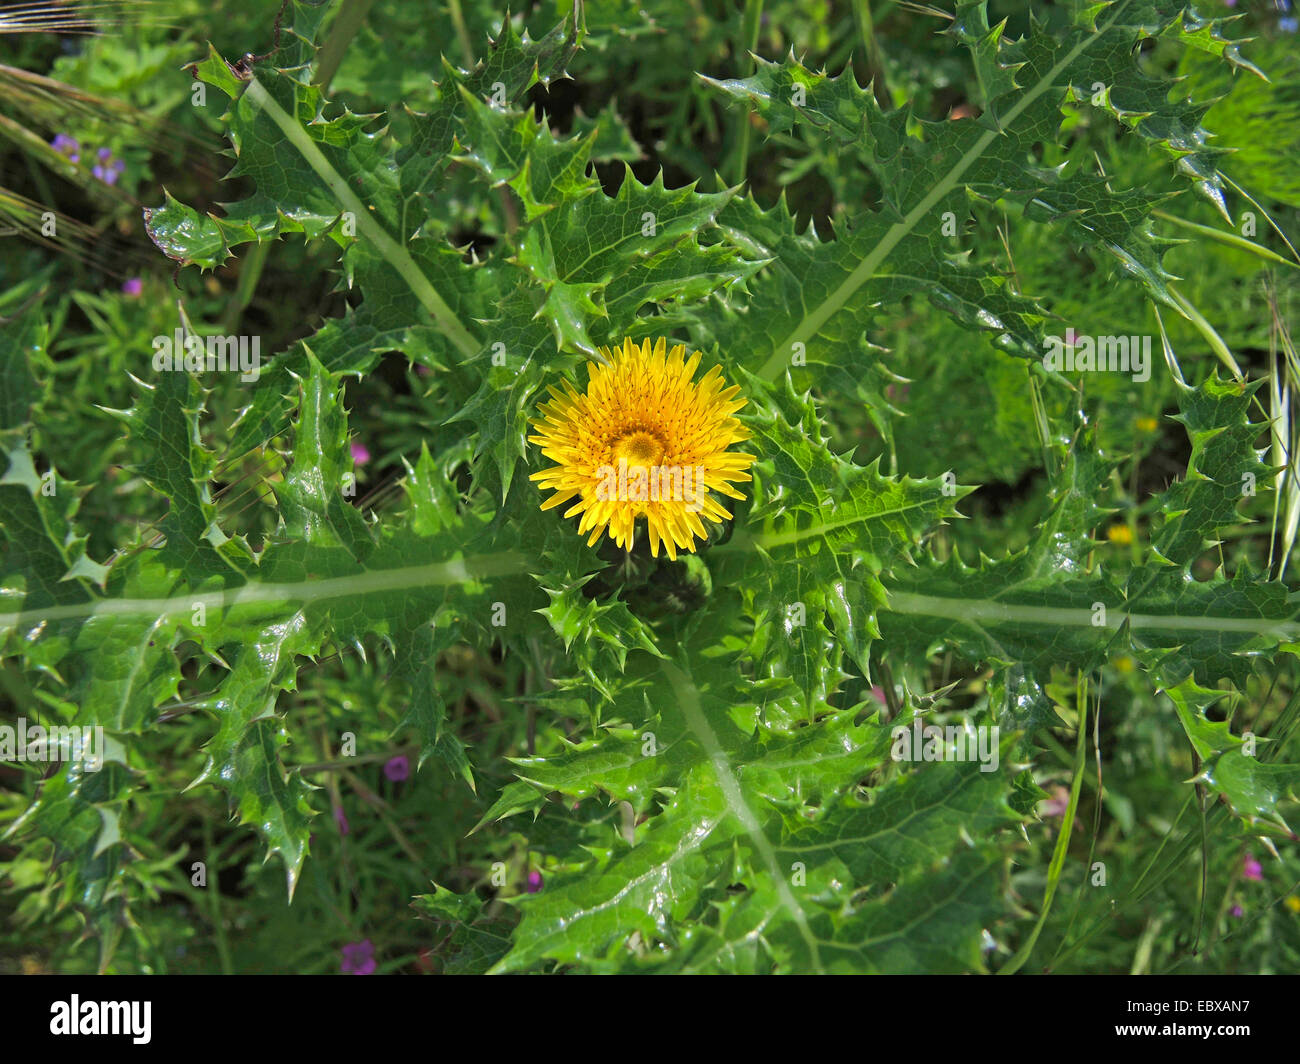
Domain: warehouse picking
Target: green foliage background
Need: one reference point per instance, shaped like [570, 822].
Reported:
[871, 216]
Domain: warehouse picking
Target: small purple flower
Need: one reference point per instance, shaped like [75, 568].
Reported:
[534, 882]
[1288, 25]
[398, 768]
[360, 454]
[341, 819]
[1251, 869]
[358, 958]
[108, 169]
[132, 286]
[67, 145]
[1237, 911]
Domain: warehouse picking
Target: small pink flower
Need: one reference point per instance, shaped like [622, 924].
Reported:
[360, 455]
[1237, 911]
[341, 819]
[1251, 869]
[1057, 804]
[398, 768]
[358, 958]
[133, 286]
[534, 882]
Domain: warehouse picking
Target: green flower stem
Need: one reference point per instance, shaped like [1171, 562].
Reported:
[749, 29]
[1063, 839]
[350, 18]
[1231, 239]
[213, 889]
[1207, 330]
[462, 31]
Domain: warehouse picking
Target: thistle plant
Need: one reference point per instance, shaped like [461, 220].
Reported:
[878, 564]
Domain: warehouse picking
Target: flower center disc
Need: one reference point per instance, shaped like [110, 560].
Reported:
[639, 449]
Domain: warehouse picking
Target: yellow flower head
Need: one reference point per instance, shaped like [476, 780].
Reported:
[647, 440]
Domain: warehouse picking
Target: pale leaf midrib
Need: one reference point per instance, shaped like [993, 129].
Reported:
[397, 256]
[689, 700]
[987, 610]
[256, 592]
[509, 563]
[813, 320]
